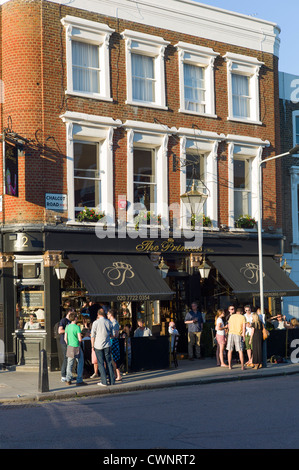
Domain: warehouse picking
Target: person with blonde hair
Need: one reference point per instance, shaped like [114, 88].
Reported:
[220, 335]
[256, 340]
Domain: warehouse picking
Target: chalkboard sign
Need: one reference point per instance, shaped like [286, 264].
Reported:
[32, 299]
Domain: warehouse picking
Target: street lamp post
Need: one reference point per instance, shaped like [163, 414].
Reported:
[259, 219]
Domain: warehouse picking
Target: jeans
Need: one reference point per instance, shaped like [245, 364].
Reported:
[64, 362]
[80, 366]
[104, 356]
[194, 340]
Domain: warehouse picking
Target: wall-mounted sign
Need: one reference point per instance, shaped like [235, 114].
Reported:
[11, 170]
[56, 202]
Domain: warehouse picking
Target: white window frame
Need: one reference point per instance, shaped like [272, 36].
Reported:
[295, 114]
[201, 57]
[202, 142]
[243, 147]
[294, 171]
[90, 128]
[152, 136]
[90, 32]
[152, 46]
[250, 67]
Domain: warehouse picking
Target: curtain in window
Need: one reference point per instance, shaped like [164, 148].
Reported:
[194, 88]
[143, 76]
[85, 60]
[240, 92]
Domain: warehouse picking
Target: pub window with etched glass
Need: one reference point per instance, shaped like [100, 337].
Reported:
[30, 305]
[87, 181]
[145, 184]
[242, 187]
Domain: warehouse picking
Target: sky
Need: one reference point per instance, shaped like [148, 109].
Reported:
[285, 13]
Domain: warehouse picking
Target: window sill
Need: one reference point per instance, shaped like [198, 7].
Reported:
[93, 96]
[245, 121]
[235, 229]
[146, 105]
[207, 115]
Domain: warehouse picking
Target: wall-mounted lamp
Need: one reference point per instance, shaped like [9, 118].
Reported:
[163, 268]
[60, 270]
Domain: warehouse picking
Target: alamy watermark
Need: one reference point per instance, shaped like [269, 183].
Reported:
[136, 221]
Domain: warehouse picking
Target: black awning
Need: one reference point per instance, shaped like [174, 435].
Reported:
[242, 274]
[120, 277]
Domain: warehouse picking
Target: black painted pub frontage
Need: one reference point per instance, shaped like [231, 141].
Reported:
[126, 274]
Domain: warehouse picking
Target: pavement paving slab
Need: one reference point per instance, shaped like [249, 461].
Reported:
[20, 384]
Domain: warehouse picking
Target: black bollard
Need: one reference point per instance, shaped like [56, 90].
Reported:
[43, 380]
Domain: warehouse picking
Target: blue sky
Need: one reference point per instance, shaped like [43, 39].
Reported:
[284, 13]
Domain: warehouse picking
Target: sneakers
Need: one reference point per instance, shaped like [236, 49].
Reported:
[93, 376]
[81, 383]
[103, 385]
[63, 379]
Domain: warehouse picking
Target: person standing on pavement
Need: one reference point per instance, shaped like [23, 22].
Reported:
[248, 331]
[115, 347]
[73, 339]
[101, 332]
[61, 331]
[194, 322]
[236, 336]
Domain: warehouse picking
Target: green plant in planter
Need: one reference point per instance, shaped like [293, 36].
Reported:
[245, 221]
[206, 221]
[145, 218]
[90, 215]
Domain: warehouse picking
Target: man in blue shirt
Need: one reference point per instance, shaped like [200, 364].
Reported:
[194, 321]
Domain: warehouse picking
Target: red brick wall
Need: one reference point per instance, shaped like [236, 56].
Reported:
[34, 73]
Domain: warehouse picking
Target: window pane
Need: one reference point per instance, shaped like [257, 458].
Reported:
[241, 174]
[144, 178]
[194, 88]
[241, 96]
[143, 75]
[85, 60]
[86, 175]
[195, 170]
[242, 187]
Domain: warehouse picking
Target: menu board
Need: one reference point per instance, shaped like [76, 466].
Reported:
[32, 299]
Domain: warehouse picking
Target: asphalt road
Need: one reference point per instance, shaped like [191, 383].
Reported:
[255, 414]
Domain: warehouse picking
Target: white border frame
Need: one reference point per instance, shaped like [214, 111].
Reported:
[202, 57]
[152, 46]
[253, 149]
[98, 129]
[250, 67]
[95, 33]
[205, 143]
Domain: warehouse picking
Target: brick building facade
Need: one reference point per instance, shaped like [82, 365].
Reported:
[108, 102]
[289, 119]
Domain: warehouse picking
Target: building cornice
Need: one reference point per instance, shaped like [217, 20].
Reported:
[196, 19]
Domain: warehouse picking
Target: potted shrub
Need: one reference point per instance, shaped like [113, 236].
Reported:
[245, 221]
[206, 221]
[89, 215]
[145, 218]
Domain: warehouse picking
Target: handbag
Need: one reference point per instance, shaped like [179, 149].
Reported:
[265, 333]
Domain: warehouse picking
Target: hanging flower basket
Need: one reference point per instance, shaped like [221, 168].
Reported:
[245, 221]
[90, 215]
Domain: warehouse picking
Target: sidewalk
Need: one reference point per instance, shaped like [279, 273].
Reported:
[20, 384]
